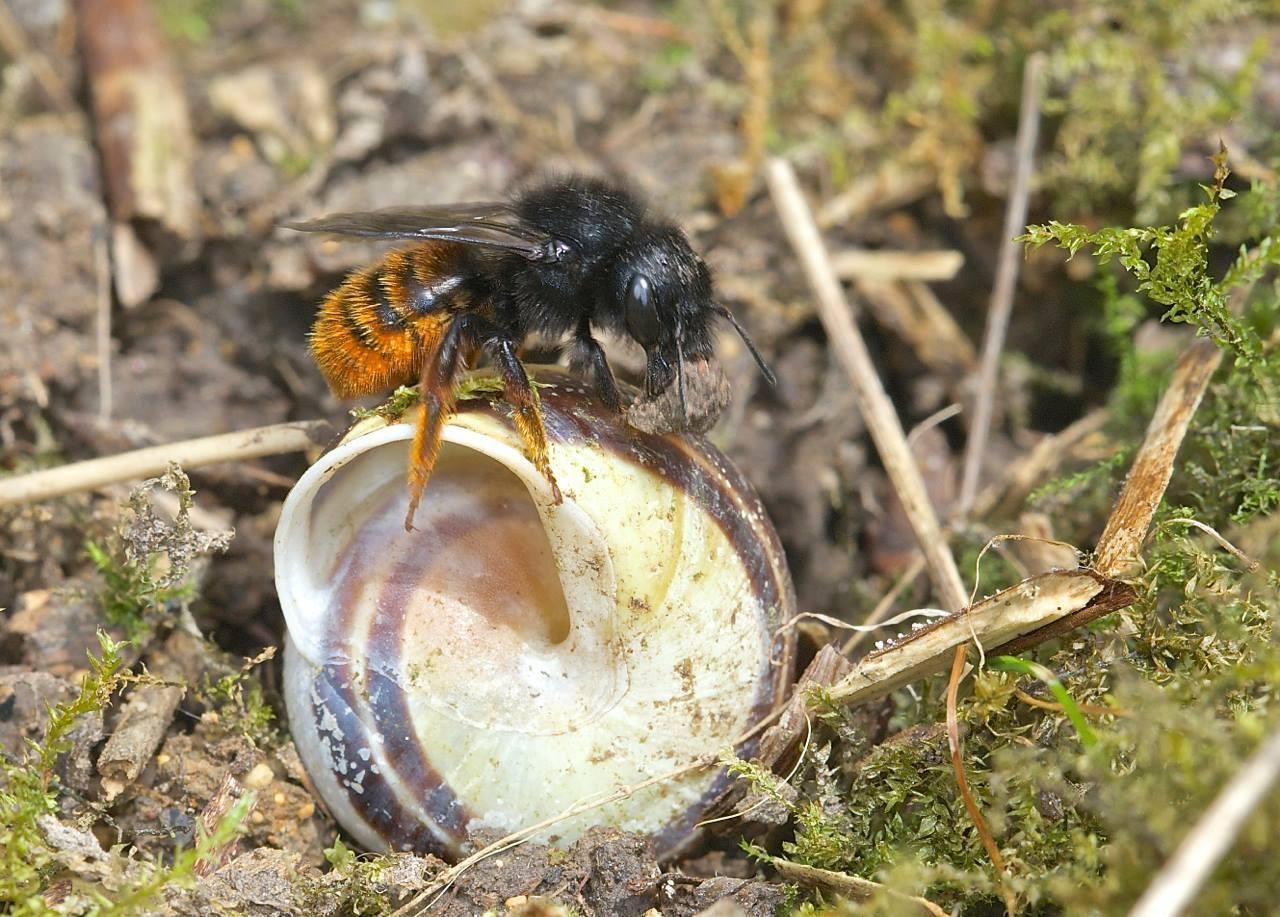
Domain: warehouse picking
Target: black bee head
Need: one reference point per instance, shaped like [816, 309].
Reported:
[668, 306]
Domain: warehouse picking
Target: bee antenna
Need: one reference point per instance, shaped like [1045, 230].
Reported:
[746, 339]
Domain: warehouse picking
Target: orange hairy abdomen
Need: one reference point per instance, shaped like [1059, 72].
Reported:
[367, 336]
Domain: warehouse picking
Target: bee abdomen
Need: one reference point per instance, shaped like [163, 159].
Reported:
[374, 330]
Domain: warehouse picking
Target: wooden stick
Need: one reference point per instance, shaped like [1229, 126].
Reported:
[914, 314]
[1144, 488]
[992, 622]
[862, 264]
[851, 351]
[1001, 308]
[1211, 837]
[102, 267]
[1024, 473]
[145, 463]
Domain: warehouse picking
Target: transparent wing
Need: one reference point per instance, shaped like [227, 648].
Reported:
[491, 225]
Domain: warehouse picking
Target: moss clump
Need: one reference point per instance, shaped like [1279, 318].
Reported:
[29, 794]
[238, 700]
[1171, 265]
[471, 386]
[1093, 757]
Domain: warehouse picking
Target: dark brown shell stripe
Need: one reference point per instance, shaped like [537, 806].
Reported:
[367, 788]
[379, 708]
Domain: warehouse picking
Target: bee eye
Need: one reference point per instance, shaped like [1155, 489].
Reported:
[641, 311]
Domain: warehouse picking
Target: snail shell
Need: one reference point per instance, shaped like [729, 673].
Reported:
[513, 656]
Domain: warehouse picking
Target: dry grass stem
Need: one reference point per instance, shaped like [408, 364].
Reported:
[1001, 308]
[962, 780]
[1004, 496]
[781, 743]
[886, 603]
[1005, 616]
[1126, 529]
[102, 268]
[1092, 709]
[1250, 564]
[1174, 886]
[144, 463]
[887, 189]
[851, 351]
[862, 264]
[854, 888]
[141, 117]
[1113, 596]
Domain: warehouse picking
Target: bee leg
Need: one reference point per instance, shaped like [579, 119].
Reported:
[591, 356]
[519, 393]
[436, 395]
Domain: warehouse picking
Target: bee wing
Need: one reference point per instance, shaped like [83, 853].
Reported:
[491, 225]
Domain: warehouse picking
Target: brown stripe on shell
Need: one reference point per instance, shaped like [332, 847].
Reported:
[399, 829]
[370, 794]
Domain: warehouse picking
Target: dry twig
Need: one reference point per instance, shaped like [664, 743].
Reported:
[851, 351]
[154, 460]
[15, 44]
[892, 186]
[1144, 488]
[862, 264]
[913, 313]
[885, 605]
[1003, 497]
[962, 780]
[1018, 610]
[102, 268]
[1006, 279]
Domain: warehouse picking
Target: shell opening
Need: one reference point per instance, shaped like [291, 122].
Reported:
[481, 609]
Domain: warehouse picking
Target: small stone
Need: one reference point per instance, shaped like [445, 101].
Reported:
[260, 777]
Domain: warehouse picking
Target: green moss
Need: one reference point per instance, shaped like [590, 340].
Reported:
[1131, 90]
[474, 385]
[29, 792]
[238, 699]
[360, 888]
[1171, 266]
[181, 872]
[1158, 705]
[195, 21]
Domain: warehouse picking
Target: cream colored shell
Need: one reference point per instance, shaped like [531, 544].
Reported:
[512, 657]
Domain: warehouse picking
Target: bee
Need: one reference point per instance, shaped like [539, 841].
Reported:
[562, 260]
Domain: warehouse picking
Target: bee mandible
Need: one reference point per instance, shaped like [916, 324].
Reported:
[565, 258]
